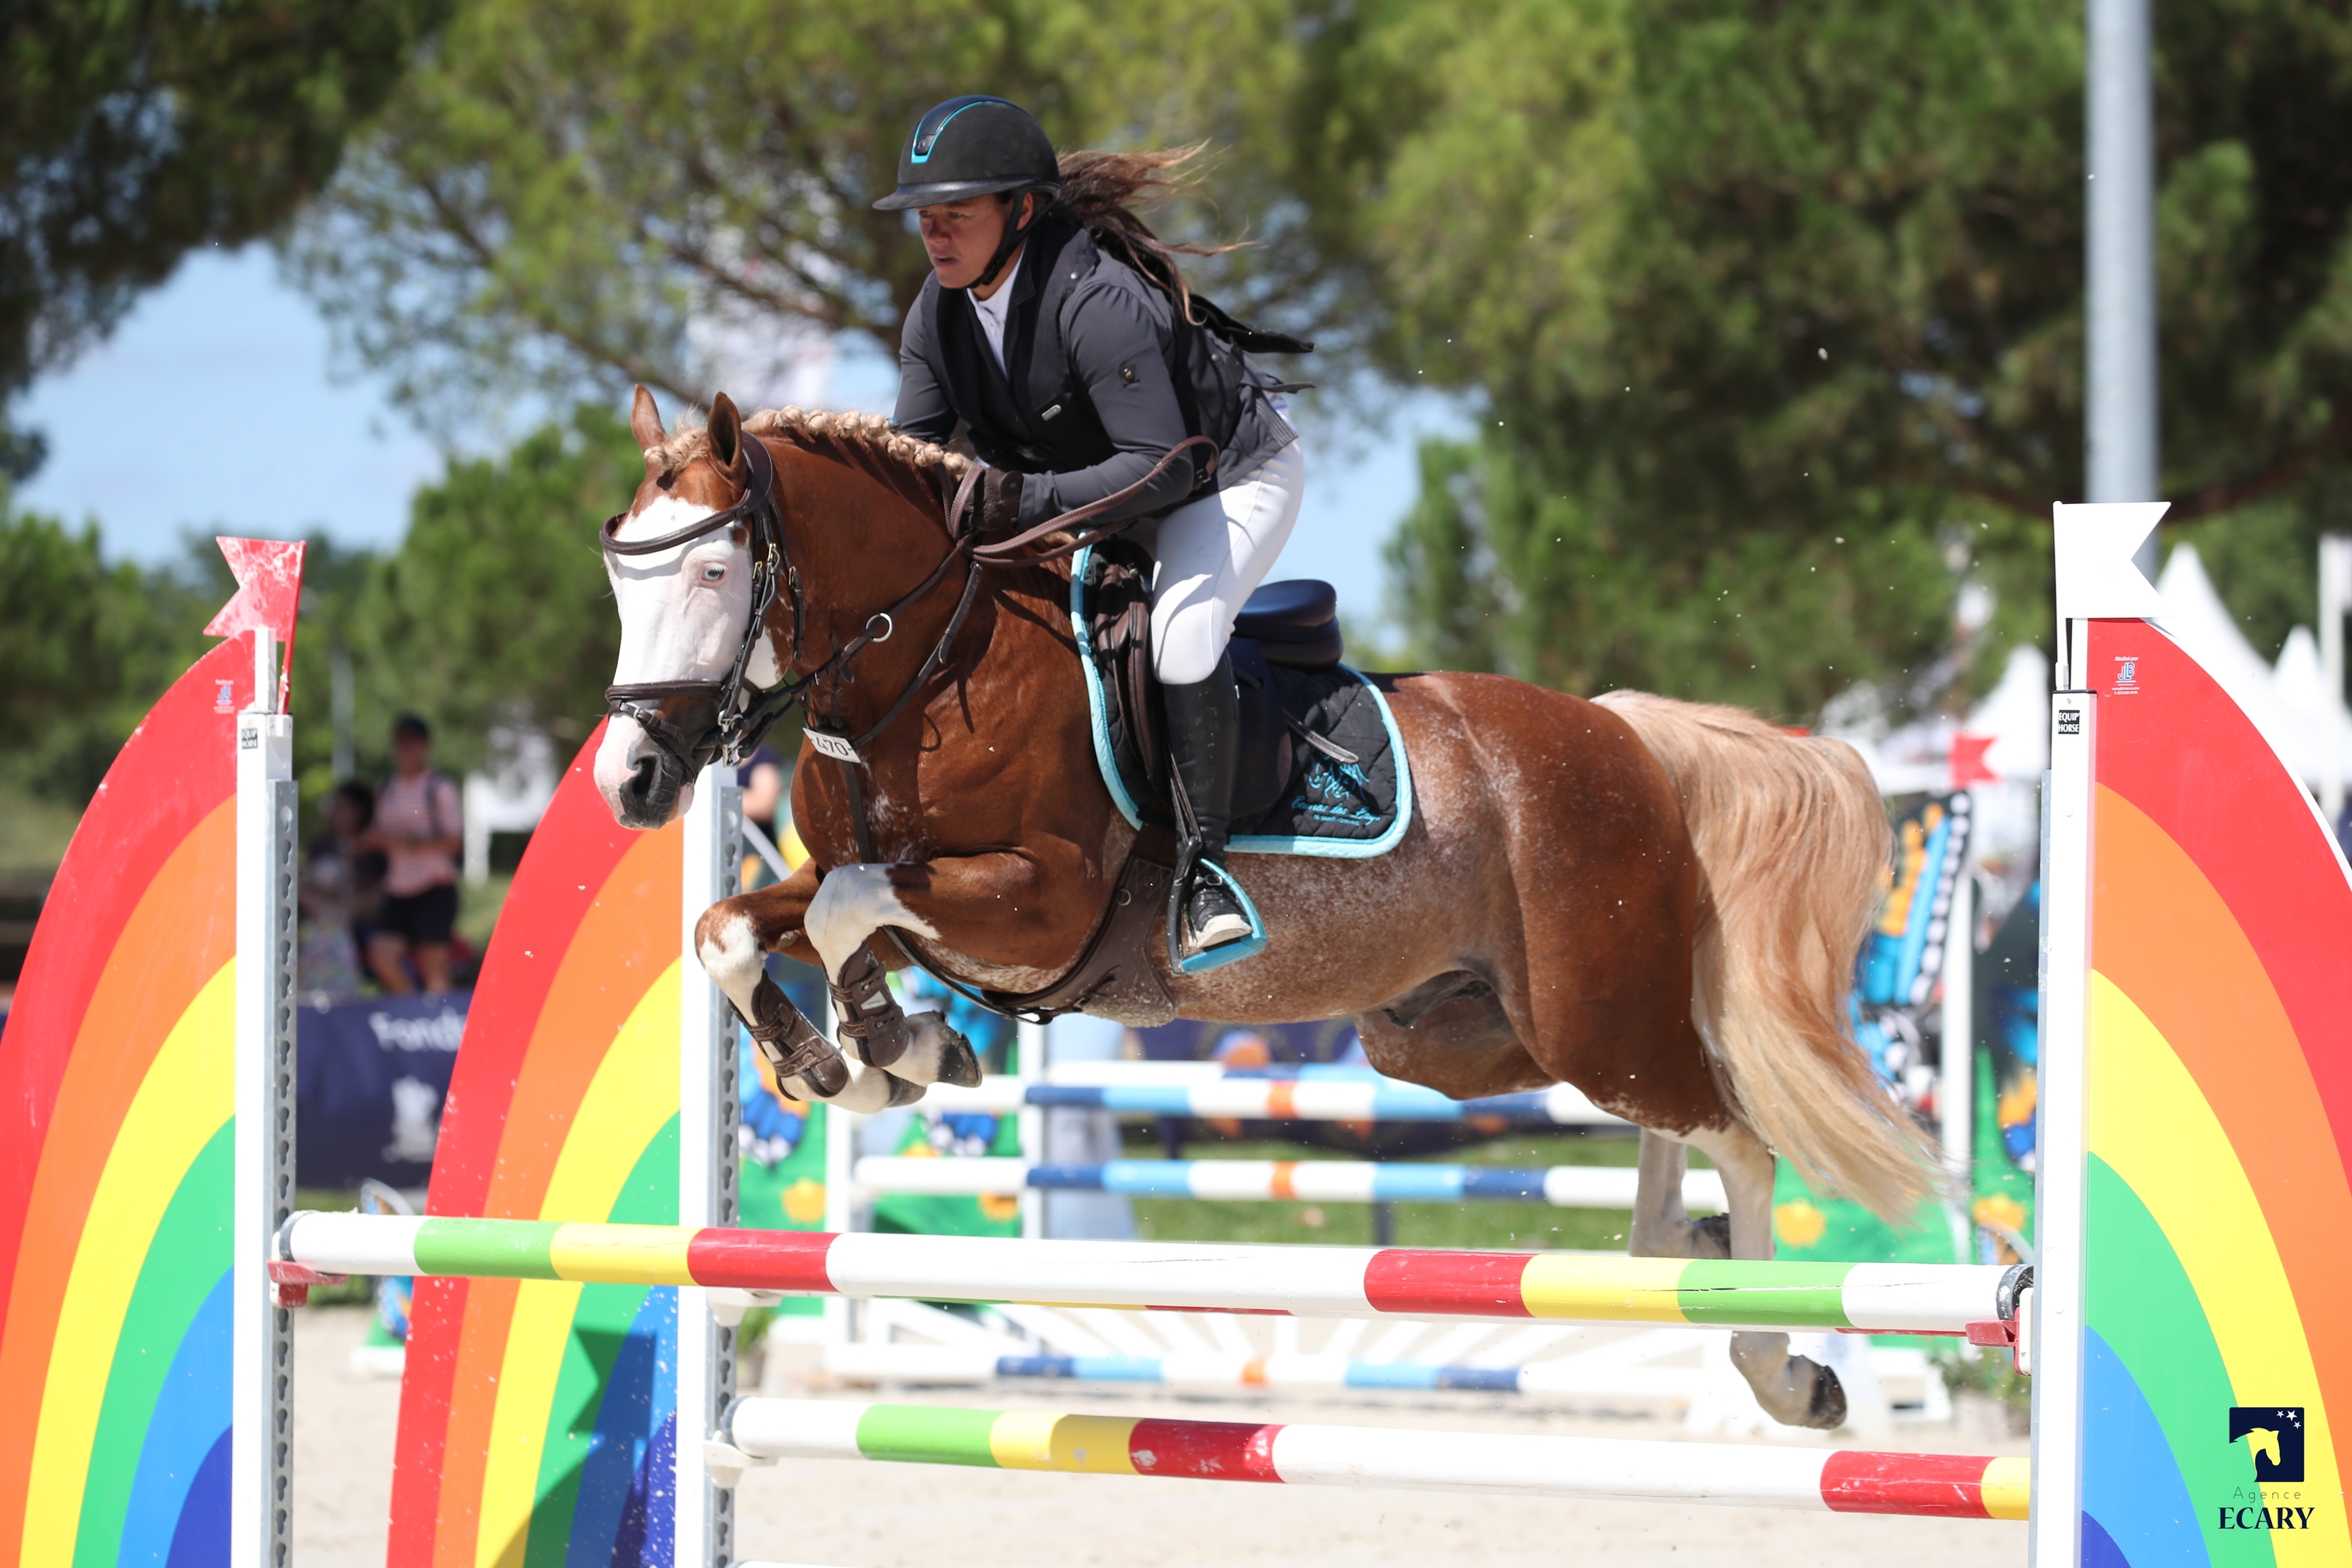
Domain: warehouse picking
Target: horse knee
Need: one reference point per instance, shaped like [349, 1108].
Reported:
[728, 947]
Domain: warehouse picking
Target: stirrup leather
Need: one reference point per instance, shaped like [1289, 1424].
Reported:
[790, 1045]
[870, 1017]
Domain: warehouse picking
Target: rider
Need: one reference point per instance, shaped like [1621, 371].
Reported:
[1056, 328]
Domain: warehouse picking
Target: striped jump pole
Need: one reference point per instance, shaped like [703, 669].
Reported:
[976, 1365]
[1197, 1369]
[1315, 1181]
[1354, 1097]
[1876, 1298]
[1934, 1486]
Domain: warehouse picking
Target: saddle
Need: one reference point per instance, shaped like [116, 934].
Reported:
[1294, 780]
[1293, 625]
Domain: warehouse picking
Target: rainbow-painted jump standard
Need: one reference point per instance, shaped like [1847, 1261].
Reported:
[1940, 1485]
[1333, 1097]
[1316, 1181]
[1876, 1298]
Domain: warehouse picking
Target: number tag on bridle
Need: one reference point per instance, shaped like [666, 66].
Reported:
[837, 747]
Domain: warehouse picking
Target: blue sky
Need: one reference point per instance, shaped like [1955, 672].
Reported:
[212, 410]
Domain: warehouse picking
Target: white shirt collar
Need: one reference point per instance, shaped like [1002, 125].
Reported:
[994, 310]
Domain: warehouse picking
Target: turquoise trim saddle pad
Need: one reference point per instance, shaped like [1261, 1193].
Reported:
[1322, 805]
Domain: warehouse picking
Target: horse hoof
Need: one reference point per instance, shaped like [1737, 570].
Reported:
[1826, 1411]
[958, 1063]
[936, 1053]
[905, 1091]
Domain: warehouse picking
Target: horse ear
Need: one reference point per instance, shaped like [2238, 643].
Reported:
[726, 432]
[645, 422]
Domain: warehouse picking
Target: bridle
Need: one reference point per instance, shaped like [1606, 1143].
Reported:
[719, 718]
[727, 717]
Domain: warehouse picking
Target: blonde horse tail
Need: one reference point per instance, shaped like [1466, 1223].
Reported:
[1792, 849]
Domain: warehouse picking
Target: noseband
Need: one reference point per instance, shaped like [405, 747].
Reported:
[727, 717]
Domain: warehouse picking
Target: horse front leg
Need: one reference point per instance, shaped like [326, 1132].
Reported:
[992, 907]
[850, 908]
[734, 938]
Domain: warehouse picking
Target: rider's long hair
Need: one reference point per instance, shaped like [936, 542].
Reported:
[1100, 191]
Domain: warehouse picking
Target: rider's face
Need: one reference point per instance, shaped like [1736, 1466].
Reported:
[959, 236]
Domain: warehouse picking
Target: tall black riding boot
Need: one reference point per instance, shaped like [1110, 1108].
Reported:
[1203, 724]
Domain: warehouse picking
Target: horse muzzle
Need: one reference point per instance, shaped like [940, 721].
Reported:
[679, 723]
[651, 795]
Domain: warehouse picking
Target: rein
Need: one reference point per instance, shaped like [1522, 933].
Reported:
[729, 725]
[728, 716]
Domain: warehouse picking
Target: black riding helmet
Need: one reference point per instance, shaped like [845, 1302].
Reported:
[976, 146]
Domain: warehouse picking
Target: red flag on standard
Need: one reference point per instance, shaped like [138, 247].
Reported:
[269, 574]
[268, 587]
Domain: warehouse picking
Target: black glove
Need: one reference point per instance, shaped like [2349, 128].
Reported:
[1000, 500]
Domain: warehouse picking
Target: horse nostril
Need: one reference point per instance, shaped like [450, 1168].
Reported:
[641, 779]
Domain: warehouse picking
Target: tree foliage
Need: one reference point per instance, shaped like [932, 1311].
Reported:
[85, 649]
[130, 133]
[1771, 314]
[495, 611]
[587, 192]
[1733, 280]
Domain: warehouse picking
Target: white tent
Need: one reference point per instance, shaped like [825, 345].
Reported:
[2287, 704]
[1917, 757]
[2302, 684]
[2016, 715]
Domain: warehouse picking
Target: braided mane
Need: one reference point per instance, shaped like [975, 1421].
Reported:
[813, 429]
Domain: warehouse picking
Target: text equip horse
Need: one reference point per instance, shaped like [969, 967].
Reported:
[1657, 903]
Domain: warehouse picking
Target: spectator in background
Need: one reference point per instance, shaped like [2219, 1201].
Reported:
[419, 827]
[761, 777]
[343, 883]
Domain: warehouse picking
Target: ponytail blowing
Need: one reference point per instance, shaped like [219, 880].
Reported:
[1100, 191]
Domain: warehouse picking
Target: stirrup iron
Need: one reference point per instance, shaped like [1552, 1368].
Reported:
[869, 1015]
[790, 1045]
[1178, 895]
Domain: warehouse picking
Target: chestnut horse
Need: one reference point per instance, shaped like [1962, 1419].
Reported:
[1658, 902]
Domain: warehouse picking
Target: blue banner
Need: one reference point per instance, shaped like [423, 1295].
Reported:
[371, 1079]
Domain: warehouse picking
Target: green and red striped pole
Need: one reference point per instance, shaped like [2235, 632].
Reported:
[1837, 1480]
[1938, 1298]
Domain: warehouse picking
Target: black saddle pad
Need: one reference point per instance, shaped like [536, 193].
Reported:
[1322, 768]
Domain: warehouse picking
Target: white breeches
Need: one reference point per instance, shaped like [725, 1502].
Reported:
[1214, 551]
